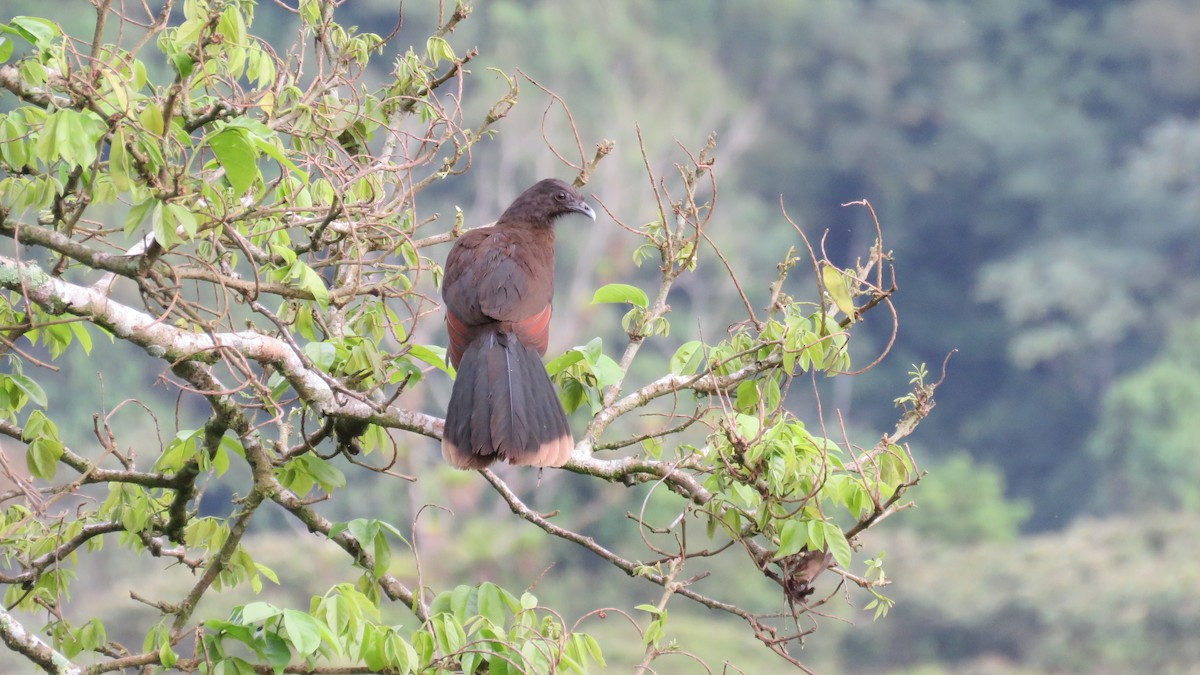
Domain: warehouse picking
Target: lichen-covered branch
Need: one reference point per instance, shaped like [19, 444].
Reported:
[32, 647]
[174, 345]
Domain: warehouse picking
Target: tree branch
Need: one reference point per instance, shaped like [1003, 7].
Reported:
[32, 647]
[10, 79]
[173, 344]
[35, 567]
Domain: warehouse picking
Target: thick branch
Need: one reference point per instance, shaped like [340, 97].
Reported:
[10, 79]
[22, 641]
[165, 341]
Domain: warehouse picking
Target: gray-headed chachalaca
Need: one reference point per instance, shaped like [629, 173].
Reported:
[497, 287]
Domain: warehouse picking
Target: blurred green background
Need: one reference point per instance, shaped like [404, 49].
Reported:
[1036, 168]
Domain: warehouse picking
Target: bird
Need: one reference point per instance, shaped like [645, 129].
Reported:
[497, 286]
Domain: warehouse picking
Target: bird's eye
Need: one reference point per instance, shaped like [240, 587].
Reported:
[561, 196]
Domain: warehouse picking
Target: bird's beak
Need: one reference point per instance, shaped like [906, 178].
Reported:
[585, 209]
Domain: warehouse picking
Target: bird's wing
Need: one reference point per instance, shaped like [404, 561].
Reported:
[499, 275]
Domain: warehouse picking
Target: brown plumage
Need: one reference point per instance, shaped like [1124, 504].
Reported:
[497, 287]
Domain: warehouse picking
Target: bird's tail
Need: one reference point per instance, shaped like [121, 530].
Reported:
[503, 407]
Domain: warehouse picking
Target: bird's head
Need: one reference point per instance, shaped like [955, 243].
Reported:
[544, 202]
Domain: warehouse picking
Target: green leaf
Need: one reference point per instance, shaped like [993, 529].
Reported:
[838, 288]
[151, 119]
[816, 535]
[14, 149]
[617, 293]
[535, 657]
[594, 650]
[77, 135]
[438, 50]
[561, 363]
[328, 476]
[38, 31]
[162, 224]
[528, 600]
[260, 68]
[119, 91]
[460, 602]
[183, 218]
[288, 255]
[47, 139]
[656, 630]
[492, 605]
[748, 426]
[257, 612]
[276, 651]
[592, 350]
[310, 12]
[79, 330]
[137, 215]
[747, 397]
[687, 359]
[572, 657]
[322, 354]
[792, 537]
[608, 371]
[40, 426]
[33, 73]
[307, 279]
[835, 539]
[470, 661]
[272, 150]
[430, 354]
[32, 389]
[179, 450]
[304, 632]
[267, 572]
[6, 48]
[237, 156]
[232, 26]
[183, 64]
[449, 633]
[571, 394]
[42, 457]
[166, 655]
[220, 460]
[231, 630]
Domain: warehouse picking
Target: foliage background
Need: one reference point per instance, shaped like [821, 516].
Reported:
[1037, 164]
